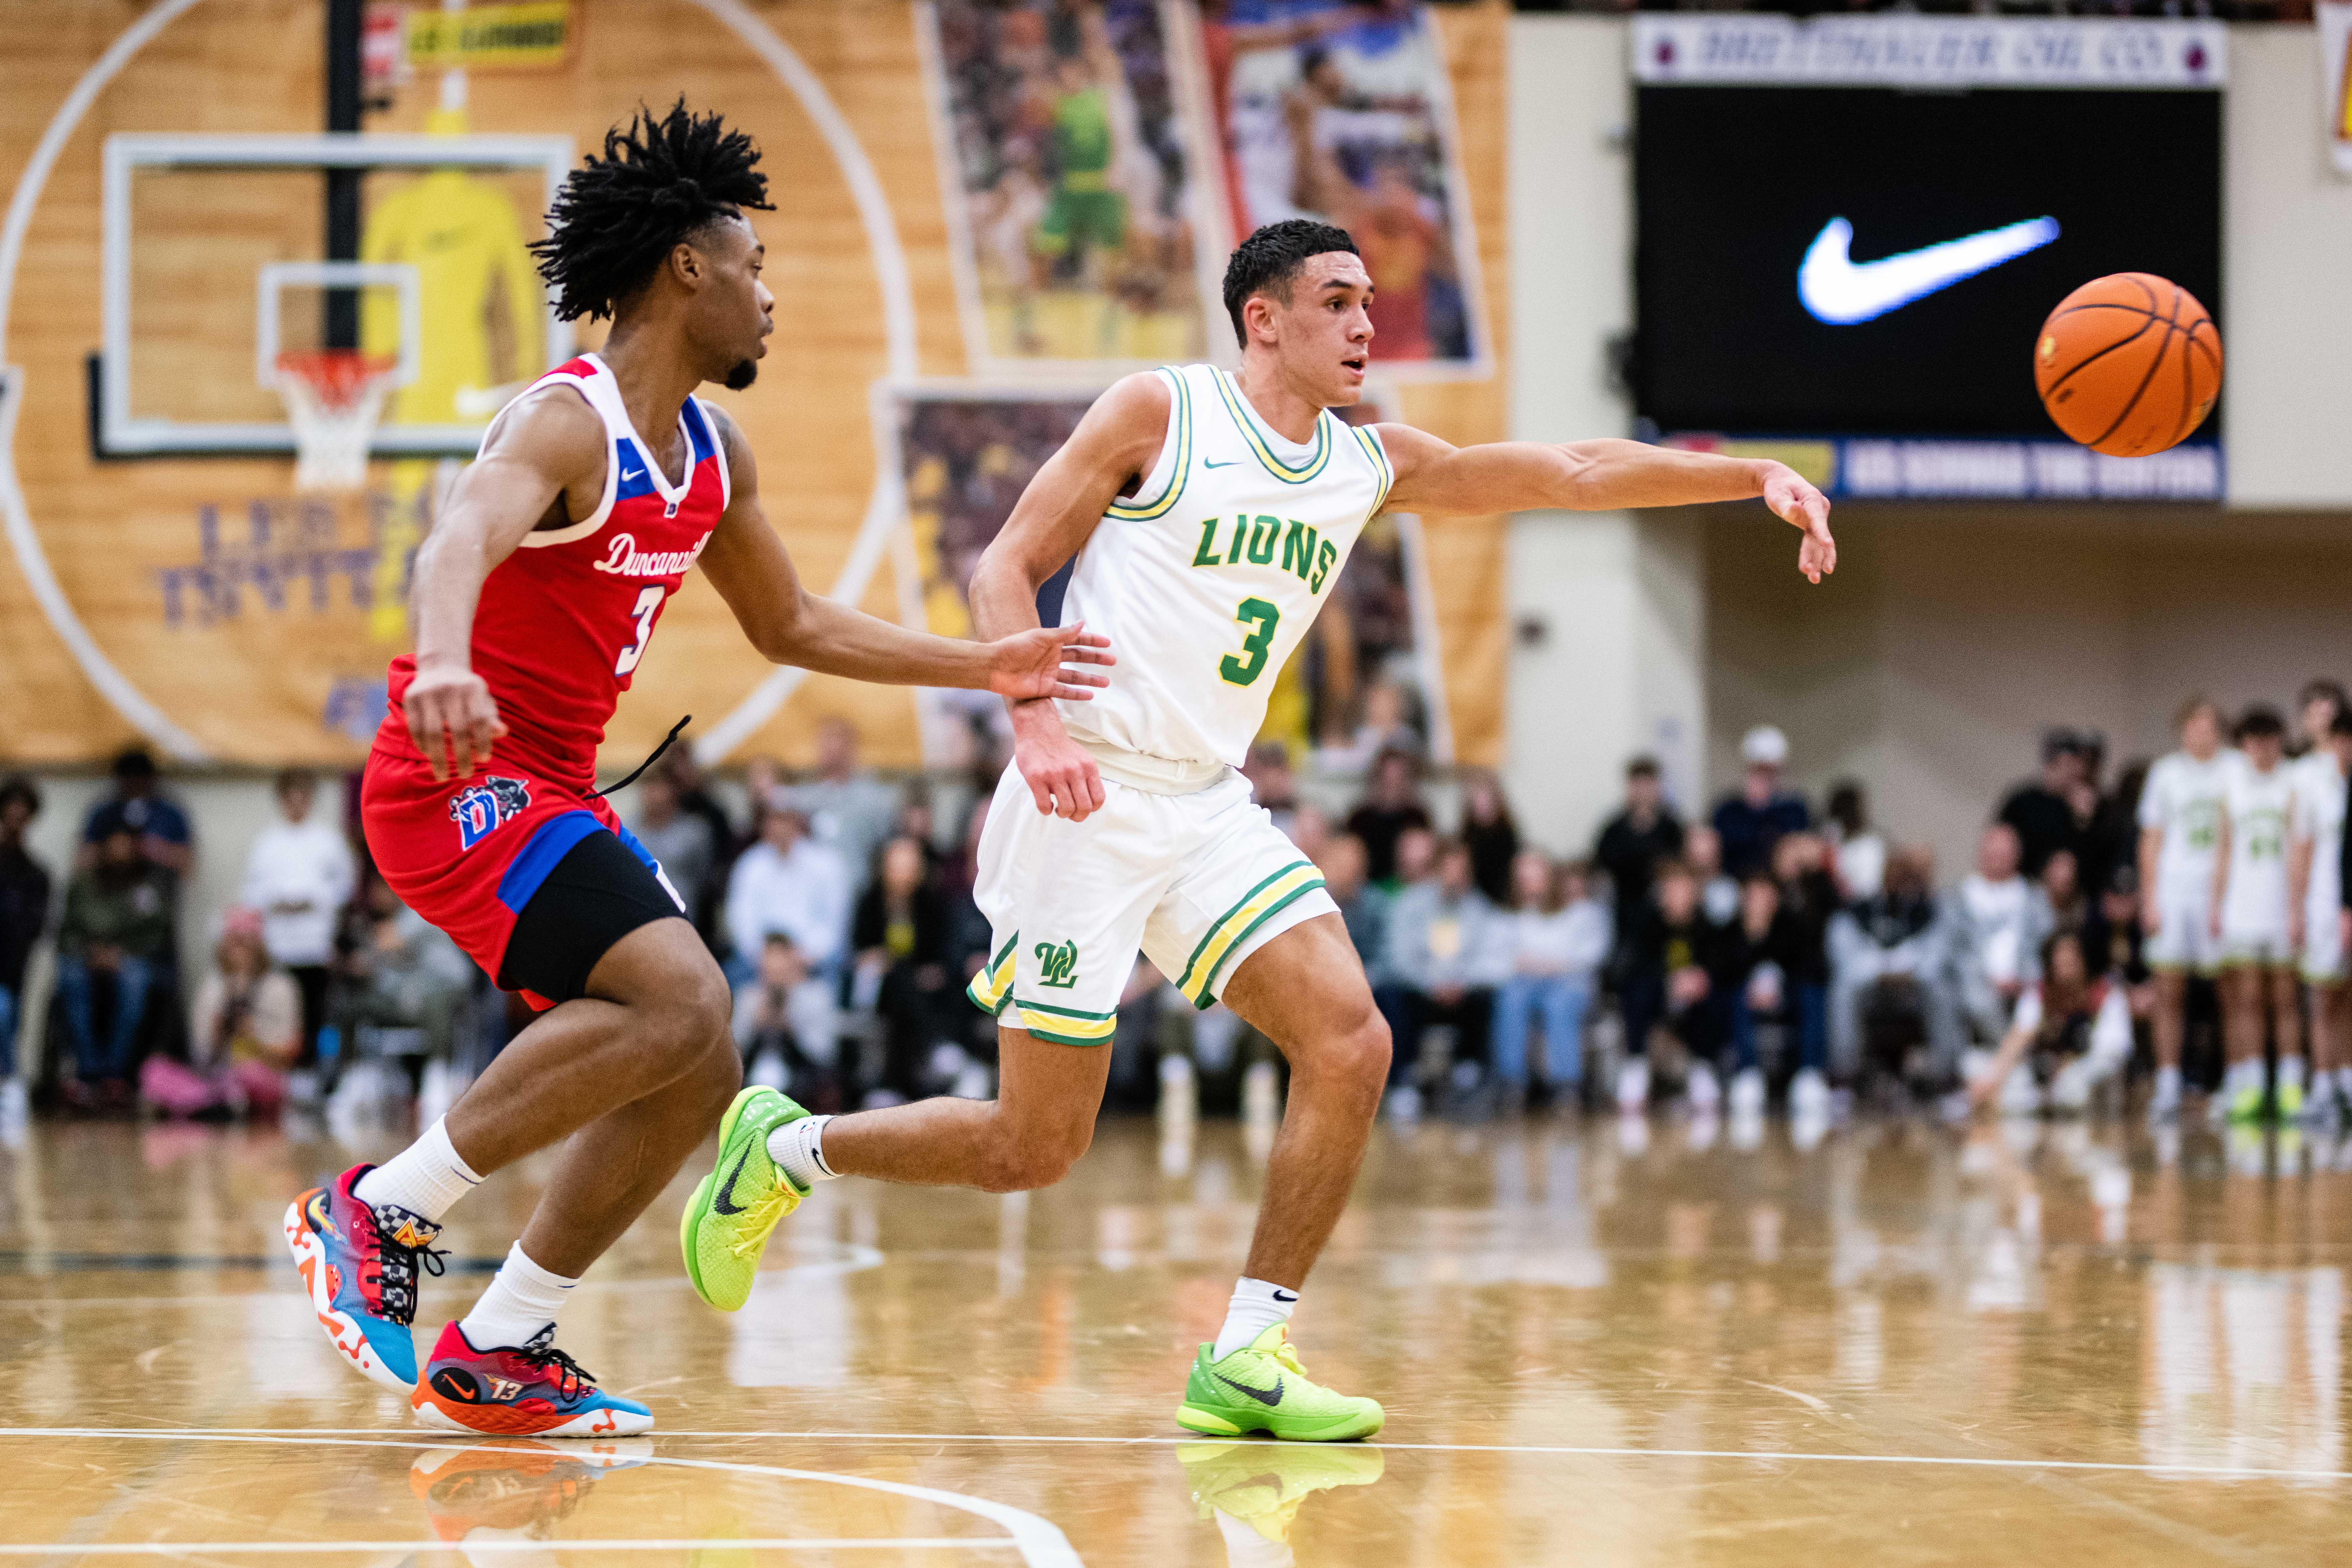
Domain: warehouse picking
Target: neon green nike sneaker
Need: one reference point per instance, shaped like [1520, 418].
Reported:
[2246, 1105]
[726, 1221]
[1260, 1387]
[2289, 1101]
[1261, 1484]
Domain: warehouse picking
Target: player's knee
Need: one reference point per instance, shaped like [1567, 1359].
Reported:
[1022, 1159]
[693, 1018]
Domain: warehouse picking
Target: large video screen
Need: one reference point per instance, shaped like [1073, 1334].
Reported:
[1867, 260]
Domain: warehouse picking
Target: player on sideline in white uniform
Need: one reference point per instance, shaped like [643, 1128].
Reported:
[2316, 863]
[2250, 909]
[1209, 515]
[2180, 823]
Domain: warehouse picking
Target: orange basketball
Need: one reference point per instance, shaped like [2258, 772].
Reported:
[2129, 364]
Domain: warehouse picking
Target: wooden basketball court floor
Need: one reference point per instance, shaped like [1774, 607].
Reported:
[1596, 1345]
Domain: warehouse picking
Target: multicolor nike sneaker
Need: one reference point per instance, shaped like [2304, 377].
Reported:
[1260, 1387]
[727, 1222]
[2246, 1104]
[513, 1488]
[1261, 1484]
[528, 1391]
[359, 1263]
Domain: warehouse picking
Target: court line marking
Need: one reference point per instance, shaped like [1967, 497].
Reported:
[1039, 1541]
[1753, 1455]
[474, 1548]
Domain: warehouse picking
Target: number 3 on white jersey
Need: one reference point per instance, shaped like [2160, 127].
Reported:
[648, 603]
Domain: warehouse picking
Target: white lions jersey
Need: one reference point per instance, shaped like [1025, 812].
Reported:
[2319, 800]
[2183, 797]
[1207, 578]
[2258, 805]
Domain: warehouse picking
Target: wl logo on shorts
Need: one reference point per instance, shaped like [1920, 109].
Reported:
[1057, 966]
[479, 809]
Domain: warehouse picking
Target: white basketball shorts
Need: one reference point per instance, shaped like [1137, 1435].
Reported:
[2184, 937]
[1196, 882]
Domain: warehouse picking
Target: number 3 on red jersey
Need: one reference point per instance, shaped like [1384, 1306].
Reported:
[648, 603]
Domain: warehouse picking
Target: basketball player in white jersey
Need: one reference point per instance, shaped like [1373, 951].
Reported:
[2180, 824]
[2250, 920]
[1209, 515]
[2315, 861]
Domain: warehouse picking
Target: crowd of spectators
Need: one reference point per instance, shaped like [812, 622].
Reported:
[1760, 946]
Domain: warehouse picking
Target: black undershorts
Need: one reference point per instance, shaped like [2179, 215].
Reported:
[597, 894]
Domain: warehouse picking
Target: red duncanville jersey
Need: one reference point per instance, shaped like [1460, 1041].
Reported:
[564, 621]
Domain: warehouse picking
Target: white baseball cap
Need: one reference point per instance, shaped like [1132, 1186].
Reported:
[1765, 746]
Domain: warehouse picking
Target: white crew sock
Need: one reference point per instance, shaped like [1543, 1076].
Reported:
[2168, 1086]
[426, 1178]
[799, 1148]
[2290, 1072]
[2244, 1076]
[522, 1299]
[1257, 1305]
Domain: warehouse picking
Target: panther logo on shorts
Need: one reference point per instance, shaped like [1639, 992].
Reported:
[1057, 966]
[479, 809]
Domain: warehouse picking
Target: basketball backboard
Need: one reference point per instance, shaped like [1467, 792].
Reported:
[245, 215]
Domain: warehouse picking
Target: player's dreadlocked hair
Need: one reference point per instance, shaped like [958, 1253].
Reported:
[617, 216]
[1270, 259]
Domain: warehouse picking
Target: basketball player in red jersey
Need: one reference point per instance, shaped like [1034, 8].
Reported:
[535, 596]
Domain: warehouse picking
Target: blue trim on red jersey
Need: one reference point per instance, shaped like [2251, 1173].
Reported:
[546, 847]
[699, 433]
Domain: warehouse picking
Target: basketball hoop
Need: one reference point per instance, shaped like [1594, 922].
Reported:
[333, 399]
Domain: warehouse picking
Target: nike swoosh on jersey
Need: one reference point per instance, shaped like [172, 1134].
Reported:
[727, 1189]
[1228, 463]
[1836, 289]
[1260, 1395]
[628, 474]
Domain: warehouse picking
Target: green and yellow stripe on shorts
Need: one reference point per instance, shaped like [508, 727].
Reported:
[1063, 1025]
[1261, 904]
[991, 988]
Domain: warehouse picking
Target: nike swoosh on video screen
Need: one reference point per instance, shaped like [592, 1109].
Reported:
[1839, 290]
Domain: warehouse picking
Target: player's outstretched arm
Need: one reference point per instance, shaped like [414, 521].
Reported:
[551, 444]
[1116, 443]
[1436, 477]
[747, 563]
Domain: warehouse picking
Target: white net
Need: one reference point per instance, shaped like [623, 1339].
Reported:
[334, 399]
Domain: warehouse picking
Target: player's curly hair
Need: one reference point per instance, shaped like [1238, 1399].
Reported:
[616, 217]
[1269, 260]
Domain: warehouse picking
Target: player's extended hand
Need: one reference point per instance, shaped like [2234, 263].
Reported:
[1062, 779]
[453, 719]
[1795, 501]
[1036, 663]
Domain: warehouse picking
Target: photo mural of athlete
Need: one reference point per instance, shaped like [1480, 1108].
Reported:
[594, 493]
[1209, 514]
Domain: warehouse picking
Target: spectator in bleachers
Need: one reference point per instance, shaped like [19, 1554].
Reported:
[1447, 948]
[1272, 784]
[1363, 907]
[116, 935]
[399, 972]
[1752, 819]
[1417, 861]
[1392, 805]
[2042, 813]
[2068, 1034]
[1559, 937]
[682, 841]
[1749, 983]
[1387, 727]
[1995, 922]
[1310, 830]
[2118, 950]
[1810, 897]
[157, 825]
[2113, 847]
[789, 882]
[299, 876]
[1489, 834]
[900, 938]
[245, 1031]
[1630, 845]
[24, 916]
[1858, 850]
[698, 800]
[1888, 968]
[2072, 908]
[788, 1026]
[1666, 979]
[1718, 891]
[848, 809]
